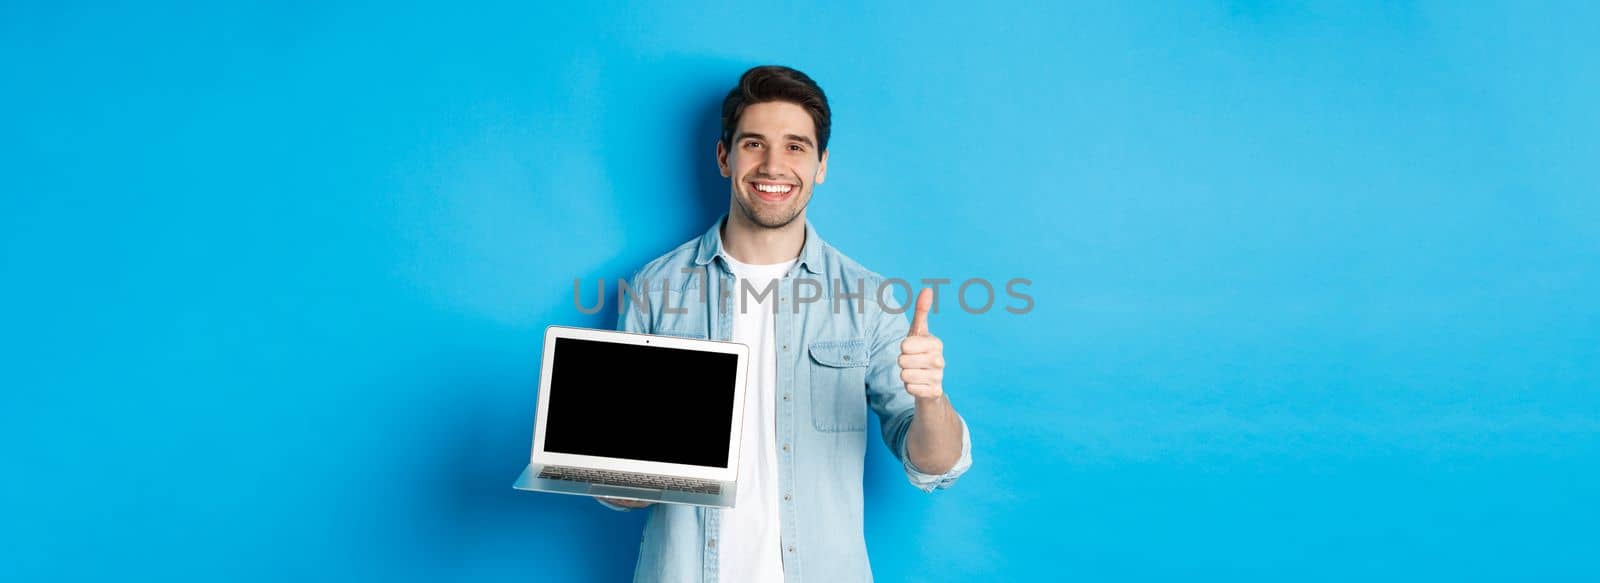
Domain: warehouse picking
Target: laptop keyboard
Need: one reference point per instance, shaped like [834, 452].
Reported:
[612, 478]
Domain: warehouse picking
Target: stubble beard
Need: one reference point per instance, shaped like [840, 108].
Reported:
[777, 219]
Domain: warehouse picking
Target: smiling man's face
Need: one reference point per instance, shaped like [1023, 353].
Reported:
[773, 163]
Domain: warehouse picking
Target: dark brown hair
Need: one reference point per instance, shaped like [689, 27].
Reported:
[776, 83]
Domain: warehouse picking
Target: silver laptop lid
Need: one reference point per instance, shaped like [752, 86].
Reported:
[640, 403]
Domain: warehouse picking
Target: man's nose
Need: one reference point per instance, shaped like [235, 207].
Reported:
[768, 165]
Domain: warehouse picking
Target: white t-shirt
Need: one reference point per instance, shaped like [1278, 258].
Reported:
[751, 546]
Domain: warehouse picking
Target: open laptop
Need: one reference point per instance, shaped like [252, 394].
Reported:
[638, 416]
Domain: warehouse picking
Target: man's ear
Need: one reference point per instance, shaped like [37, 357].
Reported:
[722, 159]
[822, 169]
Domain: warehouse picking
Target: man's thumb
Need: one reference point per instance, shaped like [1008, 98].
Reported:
[919, 319]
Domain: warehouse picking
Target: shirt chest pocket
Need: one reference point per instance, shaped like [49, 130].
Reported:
[839, 385]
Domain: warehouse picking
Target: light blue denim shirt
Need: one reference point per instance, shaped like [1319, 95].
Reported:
[837, 357]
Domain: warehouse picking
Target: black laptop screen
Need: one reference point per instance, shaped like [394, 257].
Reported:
[640, 402]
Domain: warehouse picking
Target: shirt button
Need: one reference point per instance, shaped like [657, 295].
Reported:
[786, 348]
[787, 497]
[791, 548]
[847, 358]
[711, 544]
[785, 447]
[786, 396]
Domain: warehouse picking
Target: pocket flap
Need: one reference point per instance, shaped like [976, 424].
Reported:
[840, 353]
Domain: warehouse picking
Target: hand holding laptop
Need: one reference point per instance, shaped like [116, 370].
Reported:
[626, 503]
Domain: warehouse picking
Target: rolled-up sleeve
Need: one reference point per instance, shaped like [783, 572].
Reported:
[931, 482]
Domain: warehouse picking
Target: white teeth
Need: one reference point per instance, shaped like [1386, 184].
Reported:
[774, 187]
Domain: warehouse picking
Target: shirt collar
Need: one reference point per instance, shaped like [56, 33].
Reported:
[711, 246]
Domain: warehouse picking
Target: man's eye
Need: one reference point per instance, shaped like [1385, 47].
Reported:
[795, 148]
[752, 144]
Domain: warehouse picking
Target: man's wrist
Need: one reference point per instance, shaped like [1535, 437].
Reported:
[937, 406]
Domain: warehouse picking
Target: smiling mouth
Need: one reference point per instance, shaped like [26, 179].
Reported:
[772, 191]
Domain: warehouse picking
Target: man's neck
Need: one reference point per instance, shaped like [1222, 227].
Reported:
[750, 243]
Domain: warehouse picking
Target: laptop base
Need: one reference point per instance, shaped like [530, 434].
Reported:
[530, 481]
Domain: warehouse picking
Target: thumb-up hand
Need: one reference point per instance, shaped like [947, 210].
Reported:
[922, 354]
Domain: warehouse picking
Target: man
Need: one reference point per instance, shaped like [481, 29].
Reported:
[825, 345]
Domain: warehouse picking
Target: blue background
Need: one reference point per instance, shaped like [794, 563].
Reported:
[1316, 283]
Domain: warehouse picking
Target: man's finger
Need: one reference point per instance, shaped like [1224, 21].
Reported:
[919, 320]
[920, 344]
[921, 376]
[913, 361]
